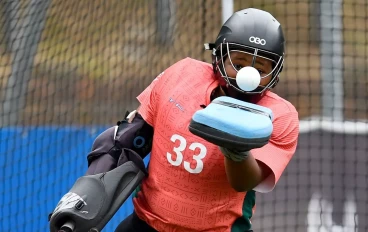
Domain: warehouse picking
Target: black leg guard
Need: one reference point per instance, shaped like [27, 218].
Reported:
[94, 199]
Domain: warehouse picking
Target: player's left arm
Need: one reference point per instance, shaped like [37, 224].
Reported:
[262, 168]
[247, 174]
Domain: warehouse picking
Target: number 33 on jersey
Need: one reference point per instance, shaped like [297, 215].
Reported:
[176, 156]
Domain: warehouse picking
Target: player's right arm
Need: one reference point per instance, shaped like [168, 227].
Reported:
[113, 145]
[131, 140]
[115, 165]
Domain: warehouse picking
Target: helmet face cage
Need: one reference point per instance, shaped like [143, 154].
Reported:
[225, 50]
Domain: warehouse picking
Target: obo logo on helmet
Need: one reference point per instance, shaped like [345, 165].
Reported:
[257, 40]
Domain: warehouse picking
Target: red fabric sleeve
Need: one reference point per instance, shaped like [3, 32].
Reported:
[280, 149]
[148, 99]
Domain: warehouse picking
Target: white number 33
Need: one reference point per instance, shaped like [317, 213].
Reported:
[179, 155]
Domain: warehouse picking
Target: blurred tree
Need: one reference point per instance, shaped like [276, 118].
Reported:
[23, 34]
[165, 11]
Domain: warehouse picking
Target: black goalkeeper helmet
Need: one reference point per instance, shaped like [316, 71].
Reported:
[254, 32]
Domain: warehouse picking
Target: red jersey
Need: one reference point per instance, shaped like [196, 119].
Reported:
[187, 187]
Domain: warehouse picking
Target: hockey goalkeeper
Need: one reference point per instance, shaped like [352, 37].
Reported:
[216, 132]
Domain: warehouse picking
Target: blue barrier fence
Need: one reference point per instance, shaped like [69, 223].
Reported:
[38, 166]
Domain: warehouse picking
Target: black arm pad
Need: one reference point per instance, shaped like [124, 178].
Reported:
[94, 199]
[136, 135]
[103, 163]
